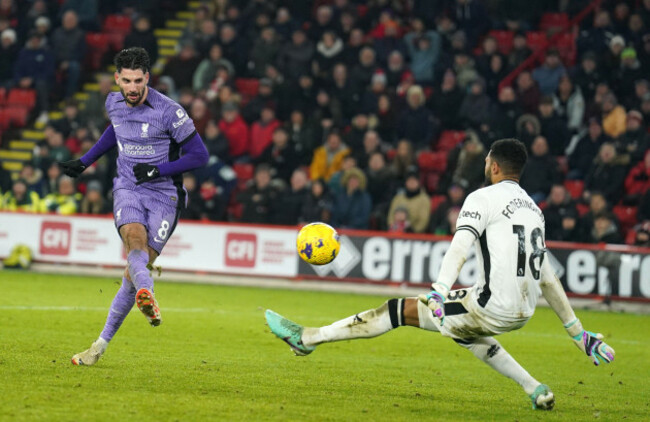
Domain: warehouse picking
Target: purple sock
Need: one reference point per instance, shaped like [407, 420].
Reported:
[122, 304]
[137, 262]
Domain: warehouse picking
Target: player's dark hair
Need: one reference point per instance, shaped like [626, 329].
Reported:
[511, 156]
[132, 58]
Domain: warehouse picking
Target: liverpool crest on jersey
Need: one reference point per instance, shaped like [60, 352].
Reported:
[145, 130]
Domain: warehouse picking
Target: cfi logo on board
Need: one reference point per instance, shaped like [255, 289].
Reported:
[55, 238]
[241, 250]
[145, 130]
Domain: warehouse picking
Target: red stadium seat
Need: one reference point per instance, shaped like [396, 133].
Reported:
[436, 200]
[22, 97]
[247, 87]
[435, 162]
[3, 96]
[553, 21]
[244, 173]
[630, 237]
[575, 188]
[449, 139]
[117, 23]
[504, 40]
[5, 119]
[98, 44]
[566, 46]
[536, 40]
[430, 181]
[582, 209]
[18, 116]
[626, 216]
[235, 211]
[391, 153]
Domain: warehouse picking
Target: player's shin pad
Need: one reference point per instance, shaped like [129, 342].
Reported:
[591, 344]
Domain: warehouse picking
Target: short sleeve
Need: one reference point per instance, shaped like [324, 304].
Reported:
[473, 215]
[179, 125]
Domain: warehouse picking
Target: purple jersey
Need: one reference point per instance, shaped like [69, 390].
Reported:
[150, 133]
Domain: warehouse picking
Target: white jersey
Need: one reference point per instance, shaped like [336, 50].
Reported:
[510, 246]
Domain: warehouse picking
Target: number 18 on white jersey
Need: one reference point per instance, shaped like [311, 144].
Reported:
[510, 248]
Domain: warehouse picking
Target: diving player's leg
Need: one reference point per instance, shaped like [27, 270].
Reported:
[367, 324]
[492, 353]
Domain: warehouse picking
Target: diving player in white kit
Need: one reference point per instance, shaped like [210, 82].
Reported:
[507, 228]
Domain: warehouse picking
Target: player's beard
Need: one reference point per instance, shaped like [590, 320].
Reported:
[137, 99]
[488, 177]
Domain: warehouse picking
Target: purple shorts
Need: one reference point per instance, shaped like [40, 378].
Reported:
[158, 218]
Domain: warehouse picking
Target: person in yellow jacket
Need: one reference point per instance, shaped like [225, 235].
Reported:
[19, 198]
[328, 159]
[65, 201]
[415, 200]
[614, 116]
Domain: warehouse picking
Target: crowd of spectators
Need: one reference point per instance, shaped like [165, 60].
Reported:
[349, 93]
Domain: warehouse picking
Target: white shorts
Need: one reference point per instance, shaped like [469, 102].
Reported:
[464, 319]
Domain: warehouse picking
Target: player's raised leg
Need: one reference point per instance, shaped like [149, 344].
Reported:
[134, 236]
[490, 351]
[367, 324]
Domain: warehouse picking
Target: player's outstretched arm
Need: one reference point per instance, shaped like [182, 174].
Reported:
[106, 142]
[195, 155]
[451, 265]
[590, 343]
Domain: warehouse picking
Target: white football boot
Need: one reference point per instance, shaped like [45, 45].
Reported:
[92, 355]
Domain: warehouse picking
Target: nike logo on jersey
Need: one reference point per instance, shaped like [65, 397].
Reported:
[150, 173]
[117, 125]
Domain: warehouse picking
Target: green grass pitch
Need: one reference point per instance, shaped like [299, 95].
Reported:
[213, 358]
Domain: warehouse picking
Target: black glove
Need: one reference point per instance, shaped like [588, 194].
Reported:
[145, 172]
[73, 168]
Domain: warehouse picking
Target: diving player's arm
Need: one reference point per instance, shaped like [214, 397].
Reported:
[194, 155]
[590, 343]
[106, 142]
[471, 223]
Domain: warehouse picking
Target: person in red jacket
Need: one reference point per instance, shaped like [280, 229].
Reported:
[262, 131]
[637, 181]
[235, 129]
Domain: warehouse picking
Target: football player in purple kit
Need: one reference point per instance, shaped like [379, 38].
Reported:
[156, 143]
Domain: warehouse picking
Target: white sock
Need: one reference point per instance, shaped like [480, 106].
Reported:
[490, 351]
[367, 324]
[101, 344]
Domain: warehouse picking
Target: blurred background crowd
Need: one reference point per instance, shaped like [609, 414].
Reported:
[370, 114]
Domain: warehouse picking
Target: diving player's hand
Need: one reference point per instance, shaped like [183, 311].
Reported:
[145, 172]
[436, 302]
[73, 168]
[592, 345]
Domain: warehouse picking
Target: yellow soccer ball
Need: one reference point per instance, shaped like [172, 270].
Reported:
[318, 243]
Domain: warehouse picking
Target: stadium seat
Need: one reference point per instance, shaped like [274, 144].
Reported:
[536, 40]
[504, 40]
[18, 116]
[390, 154]
[626, 216]
[247, 87]
[5, 119]
[582, 209]
[435, 162]
[630, 237]
[3, 96]
[575, 188]
[436, 200]
[116, 40]
[430, 181]
[98, 44]
[117, 23]
[566, 46]
[235, 211]
[553, 22]
[22, 98]
[244, 173]
[449, 139]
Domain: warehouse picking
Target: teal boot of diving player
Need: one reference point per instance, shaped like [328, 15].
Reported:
[288, 331]
[543, 398]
